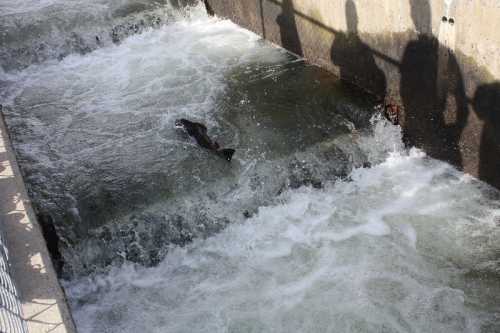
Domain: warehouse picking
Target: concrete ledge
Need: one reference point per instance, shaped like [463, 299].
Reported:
[43, 302]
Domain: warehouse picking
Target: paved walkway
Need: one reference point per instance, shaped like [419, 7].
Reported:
[43, 303]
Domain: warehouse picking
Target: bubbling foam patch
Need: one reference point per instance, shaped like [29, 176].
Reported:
[37, 31]
[388, 250]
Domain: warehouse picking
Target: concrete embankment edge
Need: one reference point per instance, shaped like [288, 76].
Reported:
[434, 63]
[35, 284]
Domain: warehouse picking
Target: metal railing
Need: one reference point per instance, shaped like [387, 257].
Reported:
[11, 319]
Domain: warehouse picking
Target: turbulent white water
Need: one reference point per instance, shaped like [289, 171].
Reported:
[35, 31]
[407, 245]
[96, 140]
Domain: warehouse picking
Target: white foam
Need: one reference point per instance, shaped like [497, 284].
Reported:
[9, 7]
[159, 75]
[355, 256]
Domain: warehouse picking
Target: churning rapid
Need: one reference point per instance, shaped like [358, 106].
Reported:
[323, 221]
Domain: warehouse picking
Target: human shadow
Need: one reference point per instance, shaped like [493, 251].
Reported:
[355, 59]
[486, 104]
[432, 92]
[290, 39]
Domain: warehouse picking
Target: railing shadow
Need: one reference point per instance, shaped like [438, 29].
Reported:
[43, 302]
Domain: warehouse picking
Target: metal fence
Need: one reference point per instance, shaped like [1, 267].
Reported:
[11, 320]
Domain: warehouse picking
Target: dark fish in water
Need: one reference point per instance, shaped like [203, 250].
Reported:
[199, 133]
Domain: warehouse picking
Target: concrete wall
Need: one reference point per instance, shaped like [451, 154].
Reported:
[32, 280]
[436, 63]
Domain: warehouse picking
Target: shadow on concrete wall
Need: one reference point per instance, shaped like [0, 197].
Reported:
[290, 39]
[486, 104]
[432, 92]
[435, 108]
[262, 24]
[209, 9]
[355, 59]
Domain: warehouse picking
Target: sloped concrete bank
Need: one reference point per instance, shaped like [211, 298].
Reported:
[434, 63]
[31, 297]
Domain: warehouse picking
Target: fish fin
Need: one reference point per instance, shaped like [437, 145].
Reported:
[227, 154]
[203, 128]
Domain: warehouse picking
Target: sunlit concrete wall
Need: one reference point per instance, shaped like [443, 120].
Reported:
[31, 297]
[437, 60]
